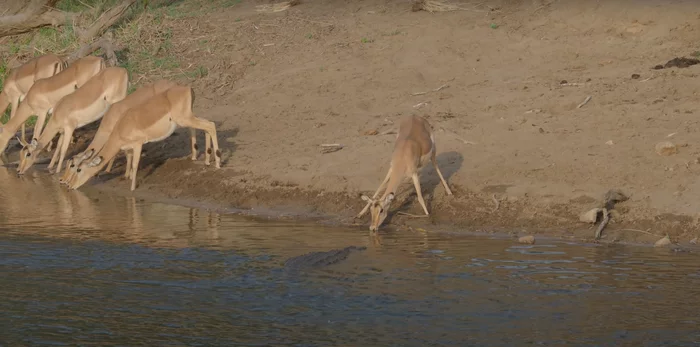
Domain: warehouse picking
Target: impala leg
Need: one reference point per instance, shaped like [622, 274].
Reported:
[67, 134]
[135, 164]
[39, 125]
[193, 143]
[109, 165]
[437, 169]
[55, 153]
[215, 144]
[129, 157]
[210, 129]
[381, 186]
[13, 111]
[207, 149]
[416, 183]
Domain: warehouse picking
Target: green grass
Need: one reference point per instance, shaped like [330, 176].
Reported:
[84, 5]
[230, 3]
[146, 32]
[3, 72]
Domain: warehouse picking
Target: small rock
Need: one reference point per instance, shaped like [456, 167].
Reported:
[615, 195]
[590, 216]
[371, 132]
[610, 143]
[694, 241]
[635, 76]
[665, 241]
[666, 148]
[658, 67]
[635, 28]
[563, 82]
[529, 239]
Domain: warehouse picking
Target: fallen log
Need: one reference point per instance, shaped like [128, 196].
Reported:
[18, 18]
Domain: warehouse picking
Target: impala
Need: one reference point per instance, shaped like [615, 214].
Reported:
[20, 80]
[46, 93]
[107, 124]
[415, 145]
[86, 105]
[152, 121]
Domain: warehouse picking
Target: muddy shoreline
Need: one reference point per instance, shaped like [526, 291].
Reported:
[248, 195]
[180, 181]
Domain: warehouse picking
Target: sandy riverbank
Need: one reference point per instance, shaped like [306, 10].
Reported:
[280, 84]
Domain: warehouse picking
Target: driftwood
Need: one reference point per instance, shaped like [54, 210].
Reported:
[611, 198]
[105, 43]
[18, 17]
[34, 14]
[105, 21]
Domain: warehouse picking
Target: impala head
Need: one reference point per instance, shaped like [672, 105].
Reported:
[72, 165]
[27, 155]
[379, 209]
[68, 172]
[84, 171]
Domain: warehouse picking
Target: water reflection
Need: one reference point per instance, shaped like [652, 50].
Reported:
[87, 268]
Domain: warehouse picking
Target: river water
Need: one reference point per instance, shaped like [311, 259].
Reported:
[94, 269]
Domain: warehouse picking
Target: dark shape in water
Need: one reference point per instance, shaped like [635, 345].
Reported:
[317, 259]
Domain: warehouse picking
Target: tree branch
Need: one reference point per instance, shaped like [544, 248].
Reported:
[31, 15]
[105, 21]
[105, 43]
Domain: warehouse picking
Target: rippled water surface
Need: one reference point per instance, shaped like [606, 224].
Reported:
[93, 269]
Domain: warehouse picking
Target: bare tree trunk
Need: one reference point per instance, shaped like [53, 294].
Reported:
[105, 21]
[19, 17]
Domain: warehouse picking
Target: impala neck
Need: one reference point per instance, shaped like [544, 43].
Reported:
[4, 102]
[11, 127]
[47, 135]
[108, 151]
[394, 181]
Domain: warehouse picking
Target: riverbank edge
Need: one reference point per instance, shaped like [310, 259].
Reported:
[181, 182]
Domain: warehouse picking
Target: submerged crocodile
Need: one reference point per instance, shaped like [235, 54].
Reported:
[318, 259]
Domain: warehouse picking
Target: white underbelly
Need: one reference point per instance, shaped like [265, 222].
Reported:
[95, 116]
[170, 131]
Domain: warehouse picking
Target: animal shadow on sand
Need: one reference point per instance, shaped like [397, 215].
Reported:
[449, 163]
[80, 143]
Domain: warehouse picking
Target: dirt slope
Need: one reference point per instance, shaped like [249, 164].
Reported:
[280, 84]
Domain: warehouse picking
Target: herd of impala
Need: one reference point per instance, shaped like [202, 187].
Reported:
[86, 91]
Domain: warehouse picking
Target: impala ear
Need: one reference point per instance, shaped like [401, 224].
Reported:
[95, 161]
[88, 153]
[22, 142]
[389, 198]
[34, 144]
